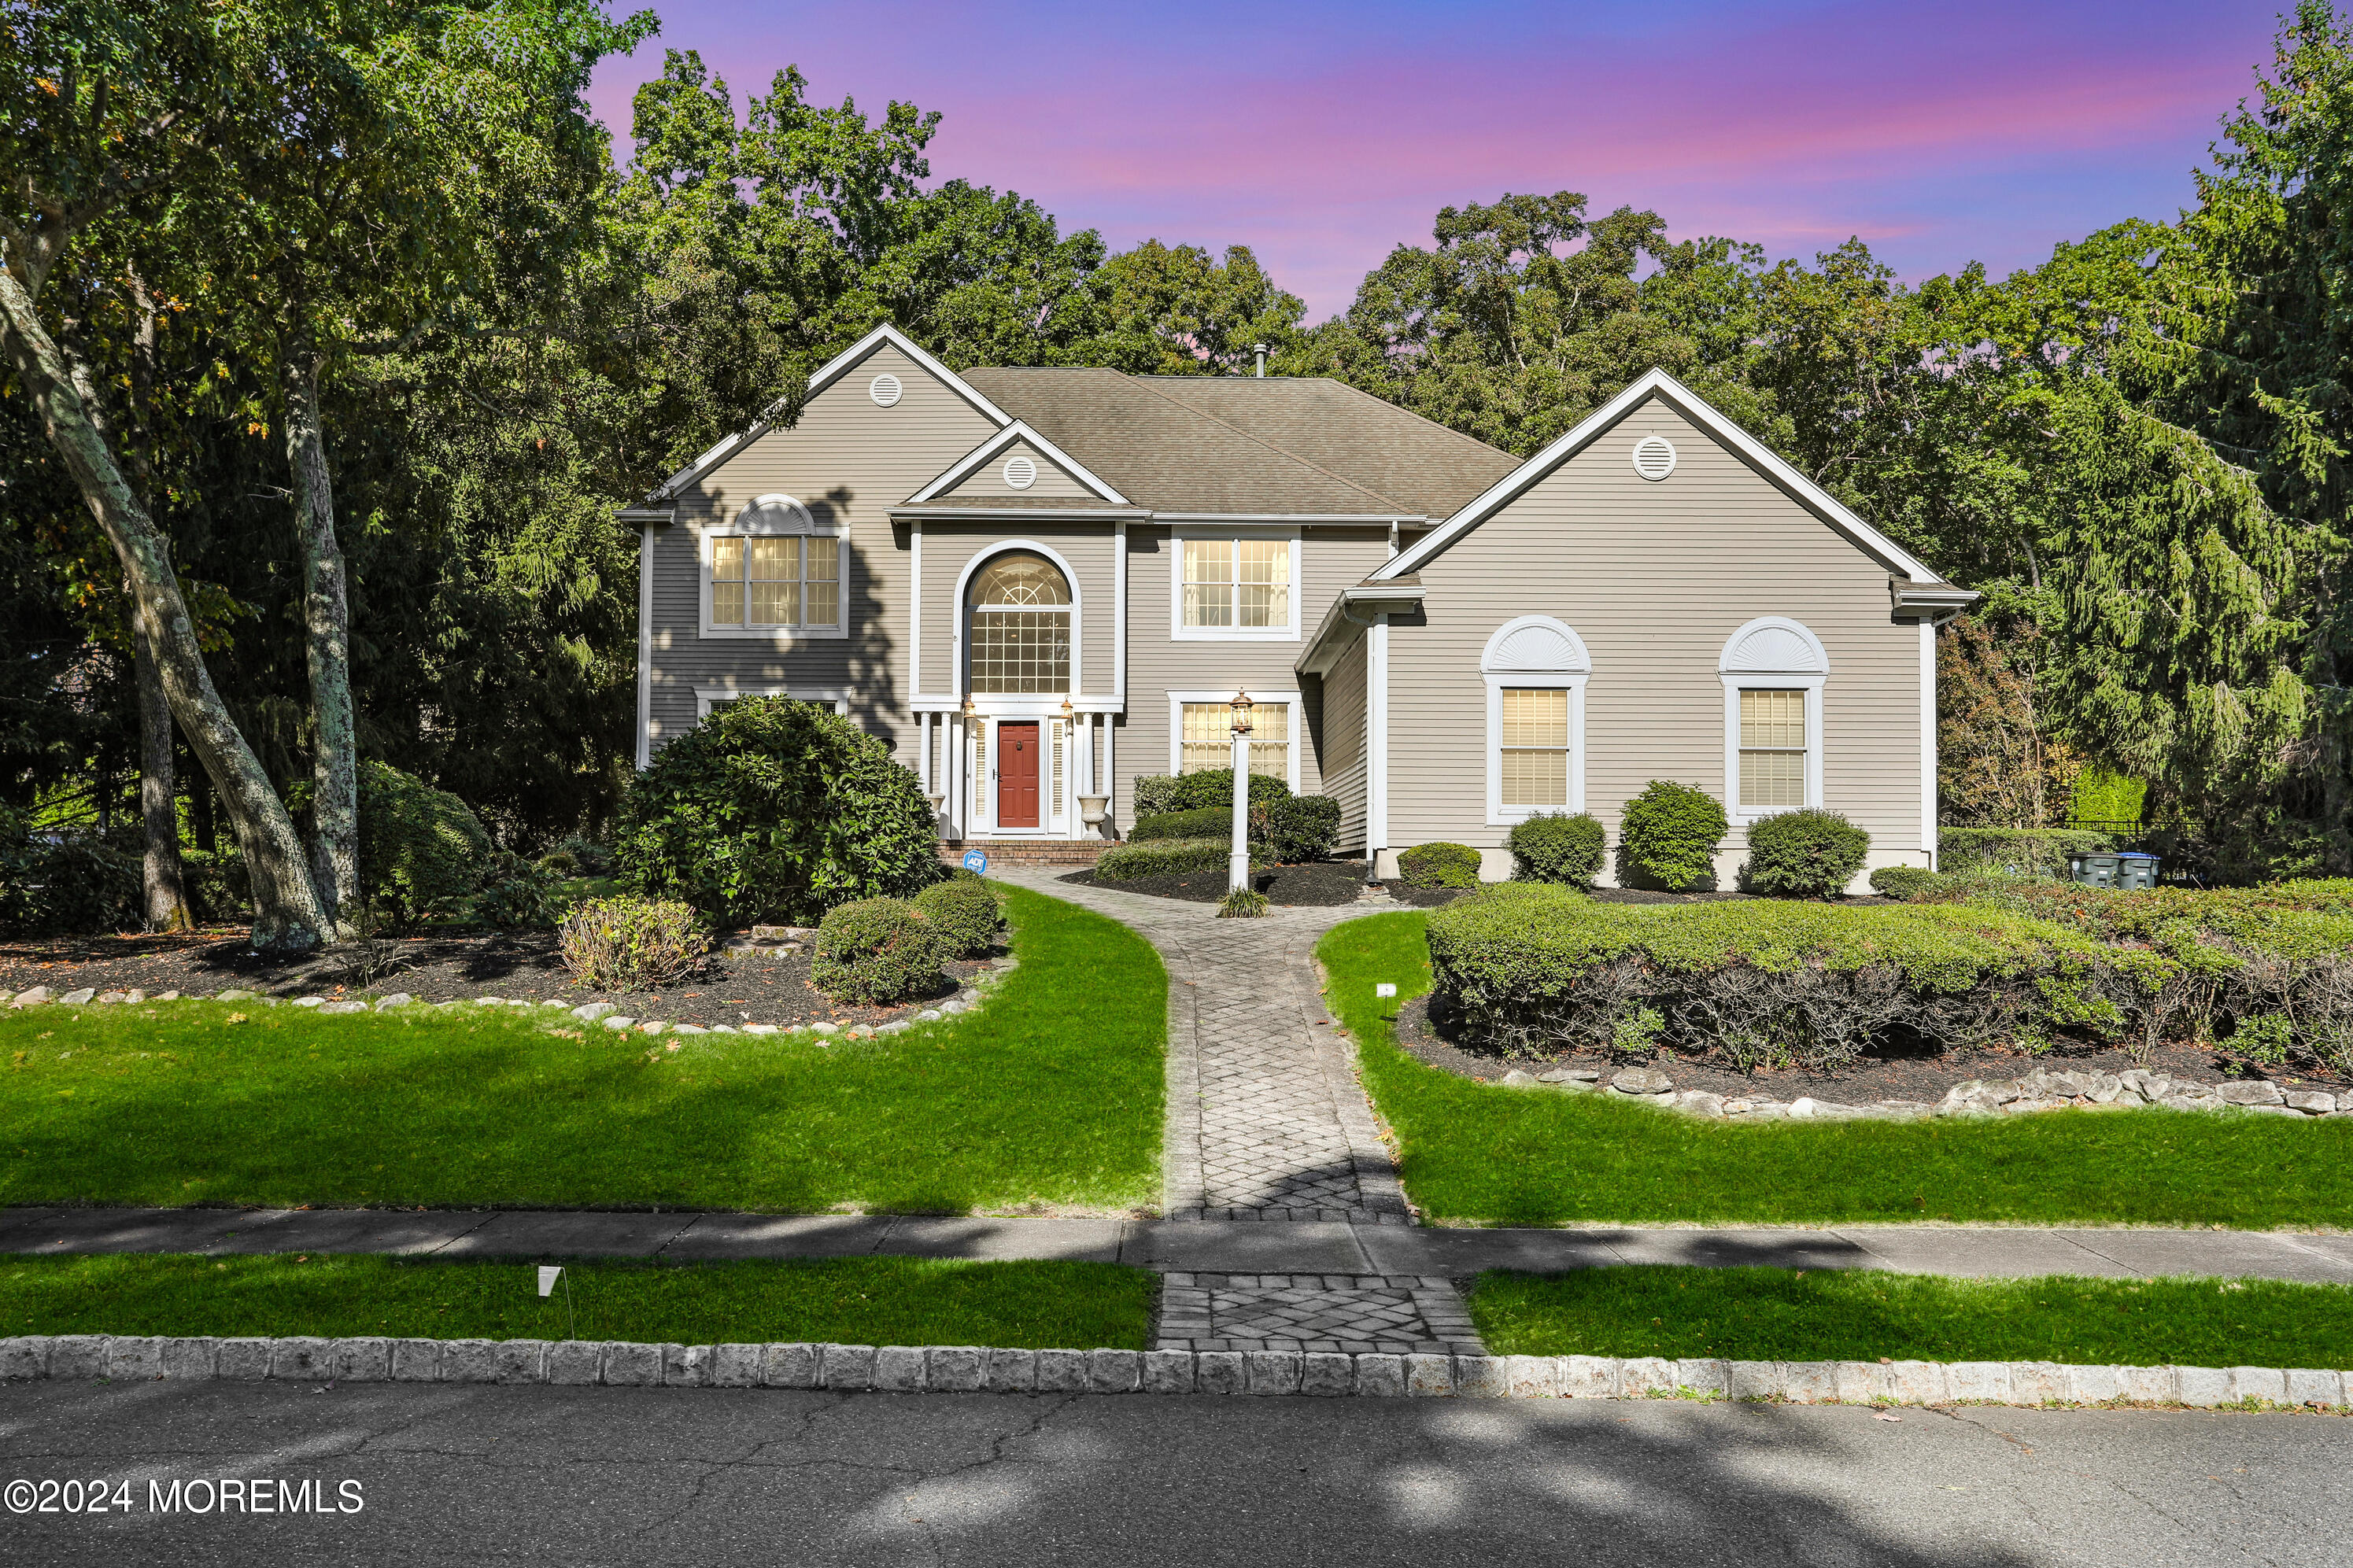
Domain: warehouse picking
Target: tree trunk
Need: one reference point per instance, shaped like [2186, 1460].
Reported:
[327, 641]
[162, 877]
[286, 909]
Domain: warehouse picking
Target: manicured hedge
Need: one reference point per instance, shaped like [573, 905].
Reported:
[877, 951]
[2021, 851]
[1668, 835]
[1162, 857]
[964, 911]
[1805, 854]
[1202, 822]
[1441, 866]
[1158, 794]
[1762, 983]
[1555, 847]
[1303, 829]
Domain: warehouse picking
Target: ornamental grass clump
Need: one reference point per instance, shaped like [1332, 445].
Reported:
[1553, 847]
[631, 943]
[1807, 854]
[1668, 835]
[964, 912]
[1241, 904]
[877, 951]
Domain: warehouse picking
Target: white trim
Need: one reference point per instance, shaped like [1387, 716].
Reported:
[1054, 813]
[1377, 736]
[1809, 677]
[1929, 842]
[739, 528]
[1016, 431]
[915, 606]
[1119, 612]
[705, 697]
[1570, 674]
[1179, 632]
[645, 646]
[1657, 382]
[957, 670]
[1286, 699]
[844, 361]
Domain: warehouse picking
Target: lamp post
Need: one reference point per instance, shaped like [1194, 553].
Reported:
[1237, 870]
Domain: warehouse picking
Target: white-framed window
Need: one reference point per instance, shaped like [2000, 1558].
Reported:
[709, 699]
[1536, 668]
[772, 572]
[1773, 670]
[1019, 610]
[1201, 734]
[1242, 584]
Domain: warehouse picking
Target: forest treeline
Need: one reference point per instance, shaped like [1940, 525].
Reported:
[335, 332]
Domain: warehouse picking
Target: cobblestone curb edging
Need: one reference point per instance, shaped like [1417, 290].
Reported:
[973, 1369]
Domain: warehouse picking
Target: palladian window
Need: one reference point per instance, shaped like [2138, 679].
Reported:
[1020, 608]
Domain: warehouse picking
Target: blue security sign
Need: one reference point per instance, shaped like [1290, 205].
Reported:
[976, 862]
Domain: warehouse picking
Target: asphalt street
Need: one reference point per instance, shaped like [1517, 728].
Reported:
[595, 1475]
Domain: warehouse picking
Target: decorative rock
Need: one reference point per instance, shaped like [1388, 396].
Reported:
[134, 994]
[759, 1028]
[952, 1007]
[345, 1006]
[722, 1028]
[2026, 1106]
[233, 995]
[2251, 1091]
[687, 1029]
[489, 1001]
[588, 1013]
[108, 998]
[1518, 1079]
[928, 1016]
[788, 1364]
[310, 1001]
[824, 1028]
[1698, 1102]
[1640, 1080]
[32, 997]
[2191, 1102]
[1010, 1372]
[551, 1002]
[396, 999]
[892, 1027]
[2311, 1101]
[1570, 1075]
[166, 997]
[618, 1021]
[899, 1369]
[76, 998]
[655, 1028]
[861, 1032]
[955, 1368]
[1168, 1372]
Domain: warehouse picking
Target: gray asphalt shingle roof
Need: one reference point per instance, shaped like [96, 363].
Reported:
[1283, 444]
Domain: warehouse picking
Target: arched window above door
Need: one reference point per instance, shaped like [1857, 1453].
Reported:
[1021, 643]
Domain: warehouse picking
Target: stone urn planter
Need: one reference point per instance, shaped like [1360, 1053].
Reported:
[1093, 809]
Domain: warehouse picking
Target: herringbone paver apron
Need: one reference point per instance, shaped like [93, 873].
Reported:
[1266, 1121]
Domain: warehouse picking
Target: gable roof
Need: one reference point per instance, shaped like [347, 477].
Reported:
[1016, 432]
[1658, 383]
[1178, 459]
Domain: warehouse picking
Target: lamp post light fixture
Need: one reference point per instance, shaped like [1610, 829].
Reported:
[1238, 868]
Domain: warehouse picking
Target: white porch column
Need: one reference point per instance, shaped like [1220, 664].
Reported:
[1377, 724]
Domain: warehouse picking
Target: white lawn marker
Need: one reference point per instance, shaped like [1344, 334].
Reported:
[1383, 991]
[549, 1273]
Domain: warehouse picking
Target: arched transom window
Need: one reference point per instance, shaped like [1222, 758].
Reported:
[1020, 607]
[1536, 670]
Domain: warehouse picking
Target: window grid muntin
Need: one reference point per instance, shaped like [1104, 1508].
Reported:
[1237, 585]
[786, 581]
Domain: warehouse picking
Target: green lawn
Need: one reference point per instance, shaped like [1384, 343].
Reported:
[849, 1301]
[1774, 1314]
[1051, 1094]
[1480, 1155]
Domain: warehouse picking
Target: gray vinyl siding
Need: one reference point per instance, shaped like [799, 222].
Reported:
[1654, 578]
[950, 547]
[988, 480]
[1341, 743]
[1329, 559]
[849, 460]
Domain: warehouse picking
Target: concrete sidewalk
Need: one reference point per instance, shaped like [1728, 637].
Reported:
[1180, 1245]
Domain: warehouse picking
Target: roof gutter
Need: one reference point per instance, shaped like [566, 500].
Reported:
[643, 514]
[1357, 605]
[1935, 603]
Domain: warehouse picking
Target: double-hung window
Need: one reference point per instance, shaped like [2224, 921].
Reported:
[1774, 670]
[1237, 587]
[1772, 748]
[1536, 670]
[772, 571]
[1209, 738]
[1534, 748]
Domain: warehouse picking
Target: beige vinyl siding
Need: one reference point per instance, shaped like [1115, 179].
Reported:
[988, 480]
[847, 461]
[1654, 578]
[1340, 743]
[950, 547]
[1329, 559]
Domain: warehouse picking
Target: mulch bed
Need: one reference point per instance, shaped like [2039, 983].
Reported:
[757, 987]
[1872, 1077]
[1319, 882]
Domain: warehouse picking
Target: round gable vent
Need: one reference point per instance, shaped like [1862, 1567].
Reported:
[1654, 457]
[1021, 473]
[884, 389]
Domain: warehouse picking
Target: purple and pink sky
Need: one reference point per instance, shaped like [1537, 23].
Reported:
[1322, 135]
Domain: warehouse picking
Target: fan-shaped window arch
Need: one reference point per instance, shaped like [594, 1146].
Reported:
[1773, 670]
[772, 570]
[1536, 668]
[1019, 609]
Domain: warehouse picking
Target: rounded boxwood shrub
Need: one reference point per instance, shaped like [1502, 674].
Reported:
[965, 913]
[1557, 848]
[1440, 866]
[1158, 794]
[423, 851]
[631, 943]
[877, 951]
[1807, 854]
[1668, 834]
[776, 810]
[1300, 828]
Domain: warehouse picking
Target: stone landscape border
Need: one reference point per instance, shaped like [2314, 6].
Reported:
[2040, 1090]
[973, 1369]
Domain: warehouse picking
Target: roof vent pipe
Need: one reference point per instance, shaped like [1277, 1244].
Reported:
[1260, 348]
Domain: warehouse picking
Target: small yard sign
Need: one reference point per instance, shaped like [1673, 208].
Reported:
[548, 1275]
[976, 862]
[1382, 988]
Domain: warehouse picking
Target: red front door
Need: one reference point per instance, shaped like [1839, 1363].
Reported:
[1017, 775]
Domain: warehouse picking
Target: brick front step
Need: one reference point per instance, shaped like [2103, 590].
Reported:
[1029, 851]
